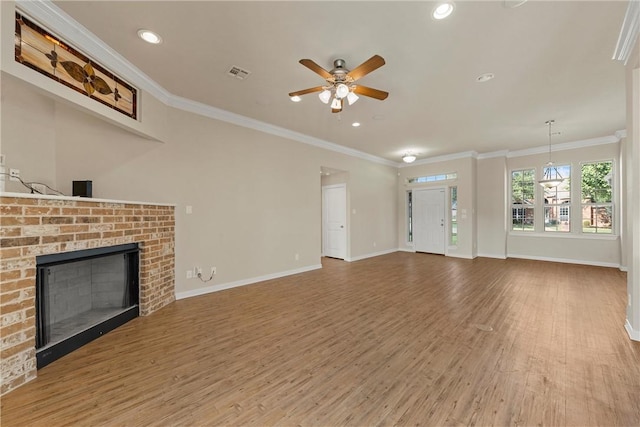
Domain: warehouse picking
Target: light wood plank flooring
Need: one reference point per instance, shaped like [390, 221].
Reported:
[401, 339]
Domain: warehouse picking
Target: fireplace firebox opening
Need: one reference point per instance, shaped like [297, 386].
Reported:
[82, 295]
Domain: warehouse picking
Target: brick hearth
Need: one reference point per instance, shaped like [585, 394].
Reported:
[31, 226]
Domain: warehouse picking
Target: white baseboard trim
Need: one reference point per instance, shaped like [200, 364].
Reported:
[371, 255]
[406, 250]
[244, 282]
[634, 335]
[454, 255]
[496, 256]
[566, 260]
[623, 268]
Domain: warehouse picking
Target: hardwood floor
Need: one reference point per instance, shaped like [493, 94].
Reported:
[401, 339]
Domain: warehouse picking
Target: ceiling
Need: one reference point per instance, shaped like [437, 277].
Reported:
[551, 60]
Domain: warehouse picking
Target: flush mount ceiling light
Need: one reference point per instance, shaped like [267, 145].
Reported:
[355, 124]
[485, 77]
[340, 82]
[442, 10]
[149, 36]
[552, 177]
[409, 158]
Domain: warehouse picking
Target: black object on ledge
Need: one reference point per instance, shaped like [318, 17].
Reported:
[82, 188]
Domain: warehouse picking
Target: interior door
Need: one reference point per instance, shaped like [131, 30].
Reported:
[429, 221]
[334, 221]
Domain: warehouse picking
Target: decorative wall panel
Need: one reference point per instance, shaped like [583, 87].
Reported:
[41, 51]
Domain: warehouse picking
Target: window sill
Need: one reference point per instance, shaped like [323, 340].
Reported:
[558, 235]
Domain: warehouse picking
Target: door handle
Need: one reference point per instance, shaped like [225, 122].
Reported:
[342, 226]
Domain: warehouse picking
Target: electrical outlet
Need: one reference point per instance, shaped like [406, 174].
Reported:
[14, 174]
[198, 271]
[2, 172]
[213, 271]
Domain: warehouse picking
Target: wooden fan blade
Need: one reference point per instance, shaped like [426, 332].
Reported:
[373, 63]
[316, 68]
[370, 92]
[306, 91]
[337, 110]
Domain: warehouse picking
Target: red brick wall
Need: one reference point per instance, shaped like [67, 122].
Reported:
[46, 225]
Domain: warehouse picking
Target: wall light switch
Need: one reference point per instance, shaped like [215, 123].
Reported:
[189, 210]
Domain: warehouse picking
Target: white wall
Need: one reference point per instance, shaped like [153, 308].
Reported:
[632, 151]
[255, 197]
[491, 193]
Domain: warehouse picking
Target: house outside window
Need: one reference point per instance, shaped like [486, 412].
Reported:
[597, 197]
[557, 201]
[523, 199]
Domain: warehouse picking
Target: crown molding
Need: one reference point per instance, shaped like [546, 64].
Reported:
[247, 122]
[628, 32]
[613, 139]
[74, 33]
[438, 159]
[493, 154]
[620, 134]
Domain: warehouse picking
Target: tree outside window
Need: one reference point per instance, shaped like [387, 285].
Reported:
[597, 202]
[522, 199]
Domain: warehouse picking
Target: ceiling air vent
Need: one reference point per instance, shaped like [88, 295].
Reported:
[238, 73]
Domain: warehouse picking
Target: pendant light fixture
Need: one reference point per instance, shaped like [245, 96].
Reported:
[552, 177]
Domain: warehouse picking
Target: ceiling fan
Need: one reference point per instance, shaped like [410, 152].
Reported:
[341, 82]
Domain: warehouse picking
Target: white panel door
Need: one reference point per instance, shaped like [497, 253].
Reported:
[334, 221]
[428, 216]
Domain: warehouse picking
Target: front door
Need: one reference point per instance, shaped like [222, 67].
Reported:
[428, 217]
[334, 221]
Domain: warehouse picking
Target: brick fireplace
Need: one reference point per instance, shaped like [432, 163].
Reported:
[32, 225]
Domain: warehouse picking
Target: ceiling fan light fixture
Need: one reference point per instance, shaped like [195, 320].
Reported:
[409, 158]
[296, 98]
[443, 10]
[325, 96]
[342, 90]
[352, 98]
[336, 104]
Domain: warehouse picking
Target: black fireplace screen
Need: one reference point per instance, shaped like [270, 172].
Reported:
[82, 295]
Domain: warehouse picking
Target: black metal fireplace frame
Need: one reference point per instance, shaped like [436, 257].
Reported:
[46, 355]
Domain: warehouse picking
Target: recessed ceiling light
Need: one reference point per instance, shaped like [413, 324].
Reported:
[296, 98]
[485, 77]
[355, 124]
[149, 36]
[442, 10]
